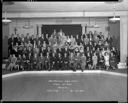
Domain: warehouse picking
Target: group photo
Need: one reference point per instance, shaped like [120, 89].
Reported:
[58, 51]
[64, 51]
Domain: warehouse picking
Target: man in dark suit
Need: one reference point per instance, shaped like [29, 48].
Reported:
[16, 39]
[59, 61]
[35, 61]
[65, 61]
[47, 62]
[41, 39]
[46, 39]
[77, 63]
[11, 39]
[32, 40]
[66, 50]
[28, 58]
[54, 61]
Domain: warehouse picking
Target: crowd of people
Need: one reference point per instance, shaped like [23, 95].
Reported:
[60, 51]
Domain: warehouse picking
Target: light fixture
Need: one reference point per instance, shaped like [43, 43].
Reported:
[5, 20]
[114, 19]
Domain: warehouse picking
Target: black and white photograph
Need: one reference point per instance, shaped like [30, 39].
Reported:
[64, 50]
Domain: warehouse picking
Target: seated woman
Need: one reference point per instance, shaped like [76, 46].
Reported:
[106, 58]
[94, 61]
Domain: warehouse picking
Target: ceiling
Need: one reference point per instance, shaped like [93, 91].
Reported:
[65, 6]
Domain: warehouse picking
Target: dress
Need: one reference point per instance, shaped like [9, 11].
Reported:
[83, 62]
[106, 60]
[94, 58]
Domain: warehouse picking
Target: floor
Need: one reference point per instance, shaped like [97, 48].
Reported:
[124, 71]
[65, 87]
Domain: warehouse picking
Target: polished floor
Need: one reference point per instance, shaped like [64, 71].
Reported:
[65, 87]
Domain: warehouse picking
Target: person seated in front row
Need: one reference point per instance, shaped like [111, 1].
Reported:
[106, 58]
[72, 61]
[24, 62]
[41, 60]
[65, 61]
[20, 62]
[59, 62]
[94, 61]
[9, 61]
[13, 63]
[35, 61]
[53, 61]
[30, 57]
[77, 63]
[89, 61]
[83, 62]
[113, 63]
[47, 62]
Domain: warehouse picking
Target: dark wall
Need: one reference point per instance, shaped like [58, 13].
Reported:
[67, 29]
[5, 34]
[115, 33]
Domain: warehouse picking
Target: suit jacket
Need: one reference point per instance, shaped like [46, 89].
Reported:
[65, 59]
[59, 59]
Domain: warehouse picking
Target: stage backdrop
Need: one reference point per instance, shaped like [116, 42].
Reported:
[67, 29]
